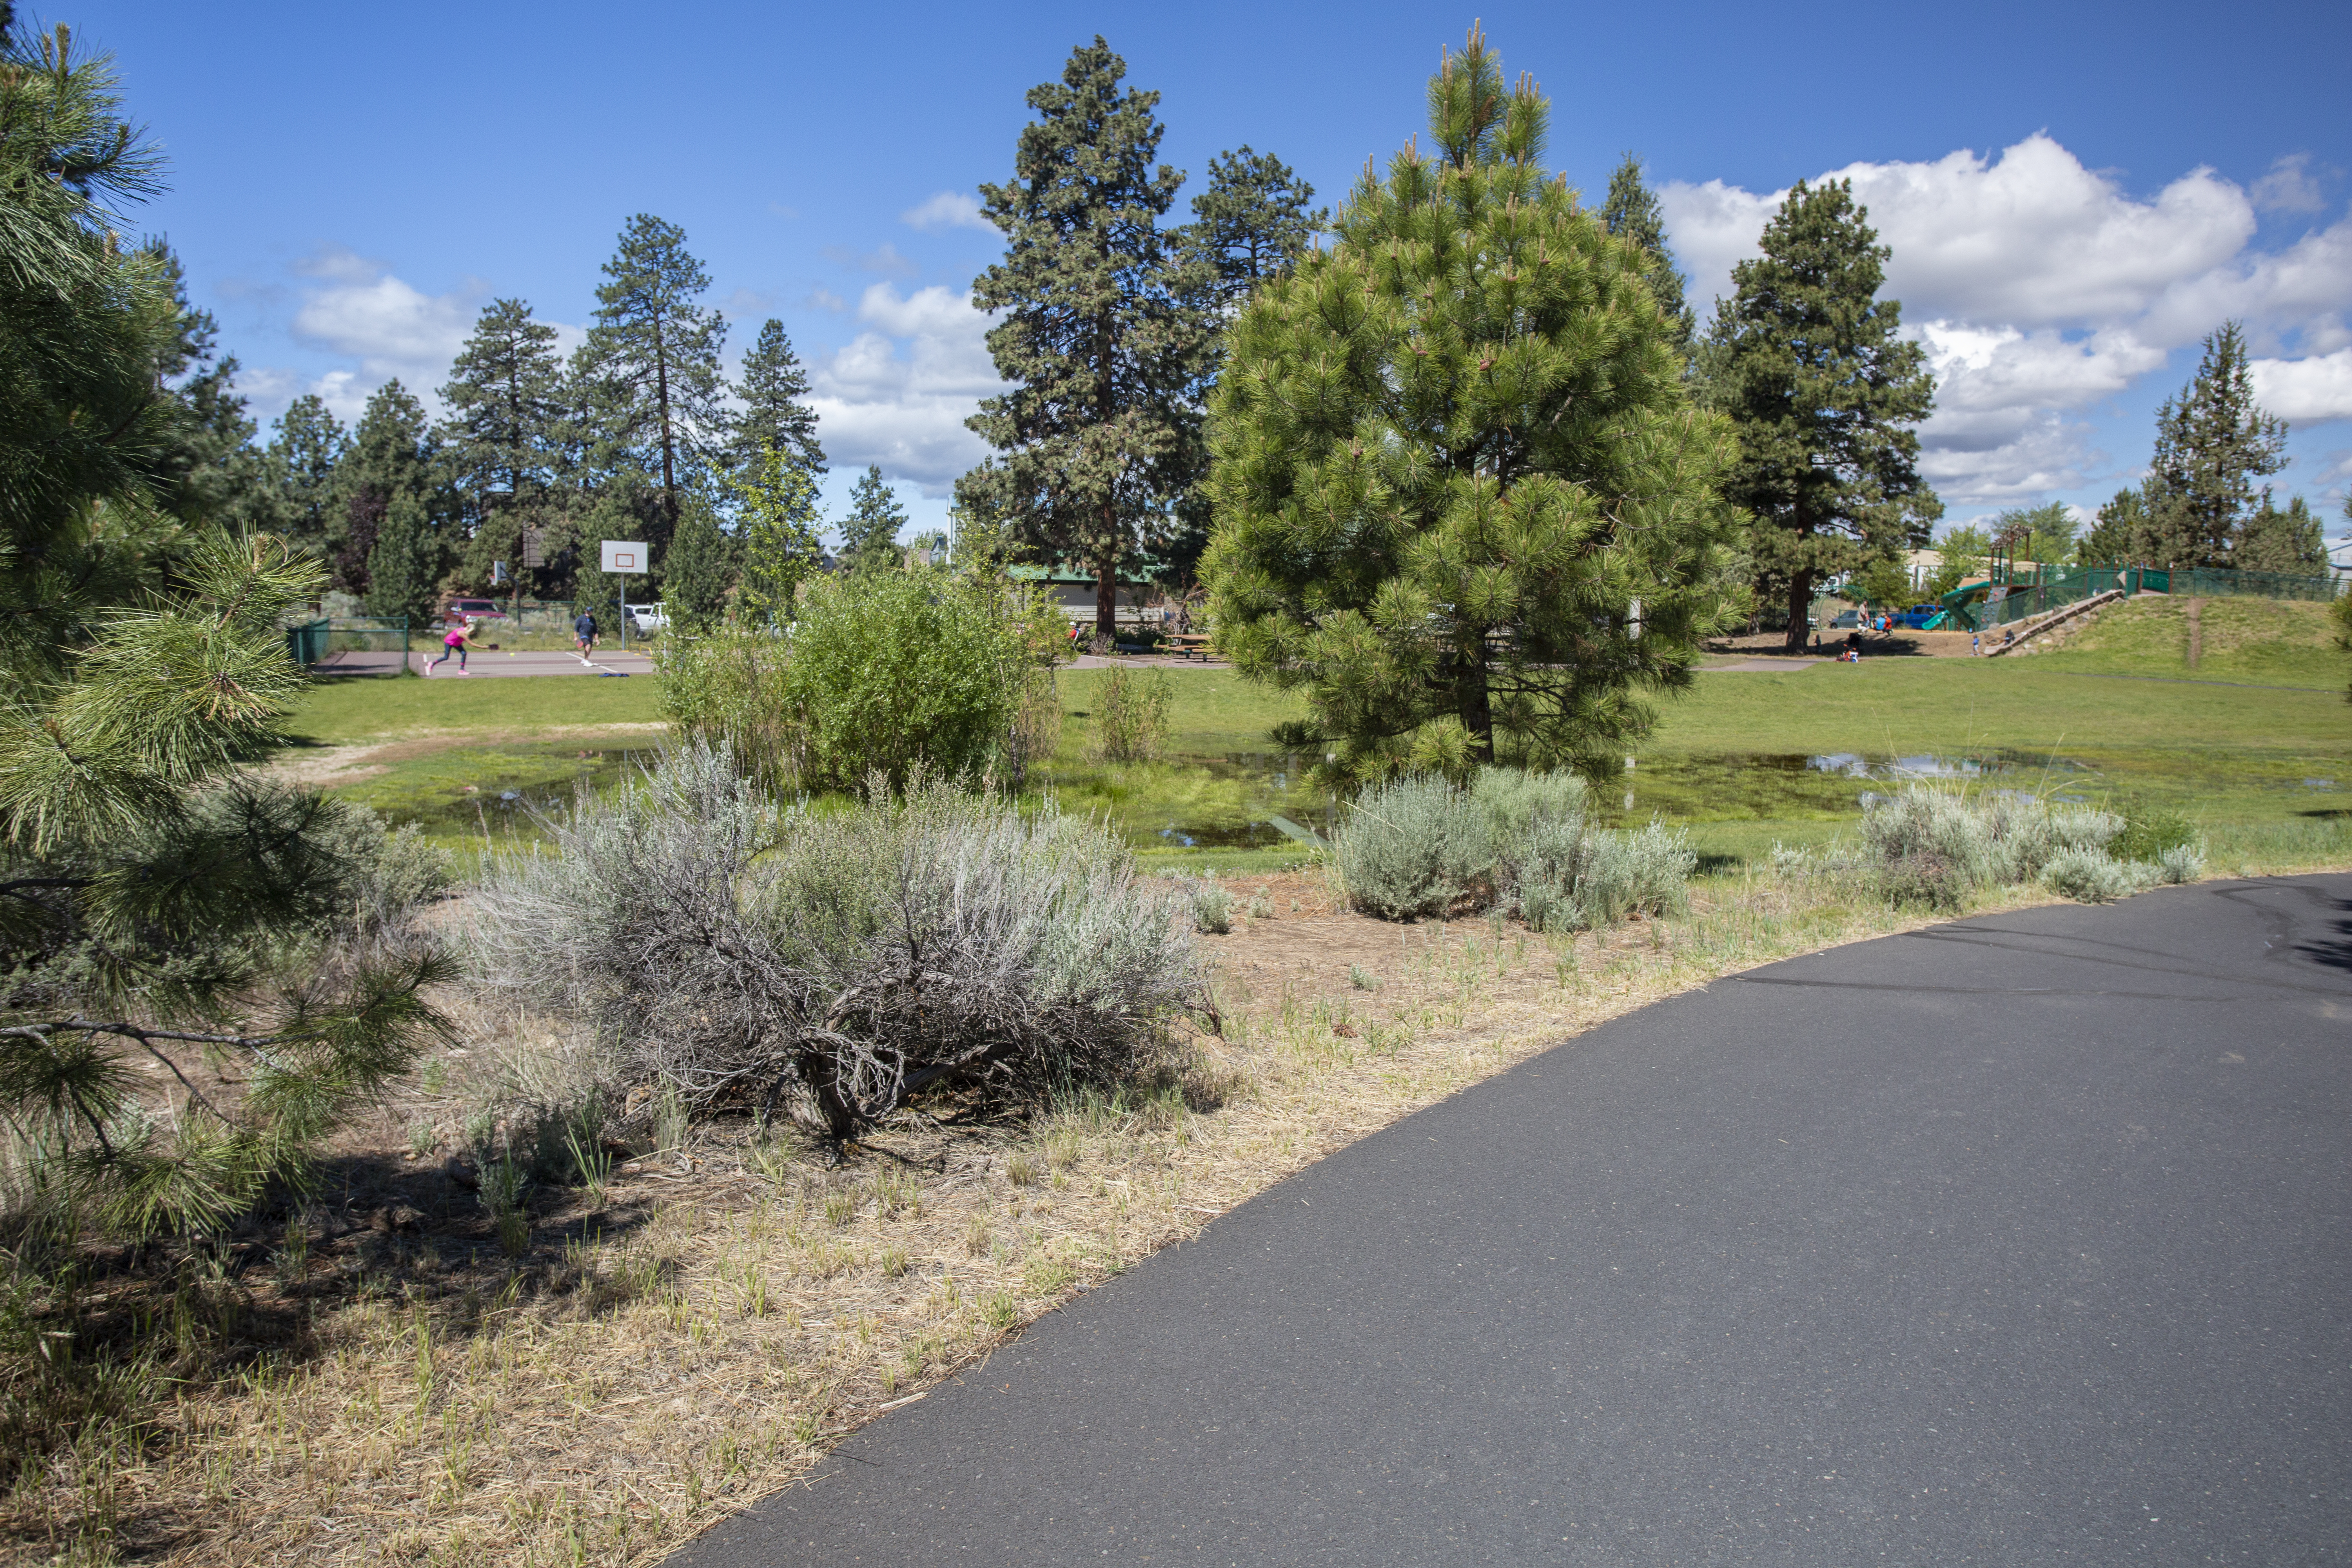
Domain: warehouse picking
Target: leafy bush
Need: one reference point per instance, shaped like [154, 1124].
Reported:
[726, 688]
[1411, 847]
[1131, 716]
[893, 672]
[837, 961]
[2147, 832]
[882, 671]
[1648, 870]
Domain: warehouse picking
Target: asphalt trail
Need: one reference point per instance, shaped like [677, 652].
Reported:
[2026, 1239]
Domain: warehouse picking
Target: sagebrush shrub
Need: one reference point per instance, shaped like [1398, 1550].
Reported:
[1411, 847]
[837, 963]
[1417, 846]
[2095, 877]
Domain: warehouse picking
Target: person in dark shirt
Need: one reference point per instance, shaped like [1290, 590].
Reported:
[584, 637]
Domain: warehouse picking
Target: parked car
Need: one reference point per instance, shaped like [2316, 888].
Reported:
[1848, 618]
[1918, 616]
[648, 618]
[473, 610]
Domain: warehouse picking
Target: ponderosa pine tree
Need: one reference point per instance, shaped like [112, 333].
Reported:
[648, 379]
[1462, 499]
[2213, 443]
[701, 567]
[1826, 396]
[1252, 224]
[501, 440]
[773, 390]
[1103, 333]
[301, 460]
[390, 455]
[1632, 212]
[869, 534]
[160, 903]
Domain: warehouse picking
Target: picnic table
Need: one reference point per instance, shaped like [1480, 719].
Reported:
[1189, 645]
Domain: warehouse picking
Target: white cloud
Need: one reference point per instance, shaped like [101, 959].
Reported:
[898, 396]
[2289, 187]
[386, 324]
[2306, 391]
[949, 209]
[2039, 286]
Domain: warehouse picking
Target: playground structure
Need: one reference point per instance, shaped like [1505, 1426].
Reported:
[1994, 602]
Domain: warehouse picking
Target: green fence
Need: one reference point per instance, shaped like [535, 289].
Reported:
[2023, 601]
[350, 645]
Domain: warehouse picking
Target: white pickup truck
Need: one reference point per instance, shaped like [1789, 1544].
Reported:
[648, 618]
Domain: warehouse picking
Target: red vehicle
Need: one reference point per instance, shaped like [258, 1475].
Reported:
[473, 610]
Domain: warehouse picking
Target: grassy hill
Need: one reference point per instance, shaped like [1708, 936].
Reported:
[2261, 641]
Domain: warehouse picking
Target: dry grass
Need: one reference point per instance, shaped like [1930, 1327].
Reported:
[736, 1306]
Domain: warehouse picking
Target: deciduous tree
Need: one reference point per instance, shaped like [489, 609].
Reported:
[1826, 396]
[1463, 499]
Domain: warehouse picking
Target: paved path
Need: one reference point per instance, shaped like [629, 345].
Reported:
[2024, 1240]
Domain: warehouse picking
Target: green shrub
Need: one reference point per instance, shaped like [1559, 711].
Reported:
[1212, 906]
[893, 671]
[2147, 832]
[725, 688]
[2181, 863]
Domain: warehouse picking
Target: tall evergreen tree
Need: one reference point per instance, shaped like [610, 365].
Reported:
[773, 390]
[649, 376]
[1102, 334]
[1632, 212]
[301, 460]
[2212, 445]
[390, 458]
[700, 569]
[1461, 492]
[505, 400]
[2275, 541]
[869, 534]
[404, 563]
[1826, 396]
[217, 474]
[1252, 224]
[2117, 532]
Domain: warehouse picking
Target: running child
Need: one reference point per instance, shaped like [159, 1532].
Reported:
[454, 643]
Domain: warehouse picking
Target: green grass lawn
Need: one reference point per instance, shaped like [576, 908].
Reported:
[347, 710]
[1744, 760]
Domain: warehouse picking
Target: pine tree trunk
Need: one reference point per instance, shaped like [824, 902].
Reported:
[1107, 602]
[1477, 706]
[1800, 610]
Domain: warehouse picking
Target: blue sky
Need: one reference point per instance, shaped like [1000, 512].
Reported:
[2076, 193]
